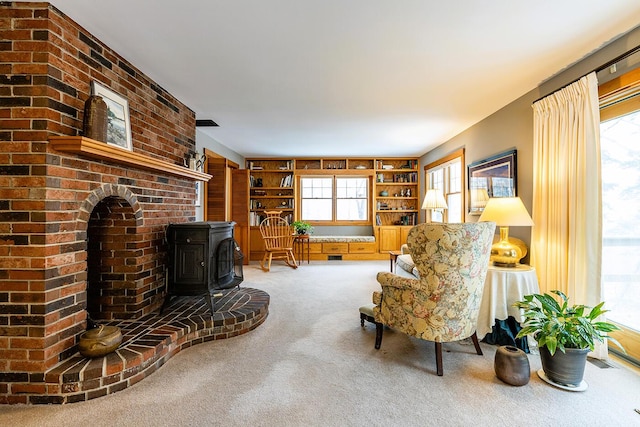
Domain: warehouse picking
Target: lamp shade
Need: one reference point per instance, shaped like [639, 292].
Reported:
[506, 211]
[434, 200]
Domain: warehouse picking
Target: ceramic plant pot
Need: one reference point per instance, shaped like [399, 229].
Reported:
[564, 368]
[99, 341]
[512, 365]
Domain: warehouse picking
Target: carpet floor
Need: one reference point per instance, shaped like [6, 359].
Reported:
[312, 364]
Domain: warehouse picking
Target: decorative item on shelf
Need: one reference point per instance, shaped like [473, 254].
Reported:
[505, 212]
[99, 341]
[434, 200]
[512, 365]
[569, 329]
[302, 228]
[384, 193]
[196, 162]
[118, 121]
[95, 118]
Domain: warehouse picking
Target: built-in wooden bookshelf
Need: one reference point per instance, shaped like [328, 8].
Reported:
[271, 187]
[395, 198]
[396, 192]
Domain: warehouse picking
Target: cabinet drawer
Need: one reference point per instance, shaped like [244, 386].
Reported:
[335, 248]
[315, 248]
[362, 247]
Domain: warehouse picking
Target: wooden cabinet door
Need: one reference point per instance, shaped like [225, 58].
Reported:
[217, 189]
[256, 244]
[389, 238]
[404, 233]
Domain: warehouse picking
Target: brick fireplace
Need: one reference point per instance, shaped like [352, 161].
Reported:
[81, 223]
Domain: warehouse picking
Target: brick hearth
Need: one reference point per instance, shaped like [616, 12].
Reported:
[148, 342]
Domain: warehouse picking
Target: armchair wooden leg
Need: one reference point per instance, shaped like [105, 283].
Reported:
[474, 338]
[378, 335]
[439, 359]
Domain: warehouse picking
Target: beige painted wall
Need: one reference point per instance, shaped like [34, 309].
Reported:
[512, 126]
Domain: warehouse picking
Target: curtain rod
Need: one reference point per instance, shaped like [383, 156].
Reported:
[597, 70]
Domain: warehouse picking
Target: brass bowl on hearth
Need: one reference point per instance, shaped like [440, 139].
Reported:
[100, 341]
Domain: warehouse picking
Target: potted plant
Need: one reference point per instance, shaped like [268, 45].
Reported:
[571, 329]
[302, 228]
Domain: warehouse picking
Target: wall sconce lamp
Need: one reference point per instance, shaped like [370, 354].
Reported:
[505, 212]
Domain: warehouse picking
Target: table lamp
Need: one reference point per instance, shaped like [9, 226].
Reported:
[505, 212]
[434, 200]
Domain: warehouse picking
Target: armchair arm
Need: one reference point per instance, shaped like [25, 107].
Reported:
[395, 281]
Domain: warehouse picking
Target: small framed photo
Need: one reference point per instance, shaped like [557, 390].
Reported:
[118, 121]
[491, 177]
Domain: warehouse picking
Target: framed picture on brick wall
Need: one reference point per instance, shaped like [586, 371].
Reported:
[118, 121]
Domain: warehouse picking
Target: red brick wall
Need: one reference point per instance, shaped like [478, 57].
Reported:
[47, 63]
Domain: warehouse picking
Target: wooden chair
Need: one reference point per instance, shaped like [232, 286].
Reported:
[278, 238]
[441, 306]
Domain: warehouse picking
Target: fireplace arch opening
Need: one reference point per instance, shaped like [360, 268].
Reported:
[112, 261]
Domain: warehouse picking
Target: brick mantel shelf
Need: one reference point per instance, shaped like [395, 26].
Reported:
[103, 151]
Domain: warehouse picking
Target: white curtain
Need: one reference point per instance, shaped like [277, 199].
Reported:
[567, 207]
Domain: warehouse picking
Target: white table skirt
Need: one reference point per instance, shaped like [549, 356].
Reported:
[502, 288]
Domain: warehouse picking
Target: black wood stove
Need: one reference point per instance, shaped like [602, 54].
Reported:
[204, 259]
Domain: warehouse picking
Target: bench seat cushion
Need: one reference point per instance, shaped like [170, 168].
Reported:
[341, 239]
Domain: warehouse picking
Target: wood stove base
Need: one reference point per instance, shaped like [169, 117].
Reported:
[147, 344]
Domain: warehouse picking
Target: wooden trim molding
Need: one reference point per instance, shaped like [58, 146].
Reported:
[100, 150]
[458, 153]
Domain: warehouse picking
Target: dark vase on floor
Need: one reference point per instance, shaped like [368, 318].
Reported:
[512, 365]
[564, 368]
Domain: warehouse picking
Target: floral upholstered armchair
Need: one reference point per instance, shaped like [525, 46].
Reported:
[441, 306]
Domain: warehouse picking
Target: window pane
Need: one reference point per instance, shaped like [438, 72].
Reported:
[351, 210]
[455, 181]
[454, 201]
[620, 217]
[317, 199]
[352, 199]
[437, 179]
[316, 209]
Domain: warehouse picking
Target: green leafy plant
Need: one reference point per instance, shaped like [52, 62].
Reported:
[302, 227]
[557, 326]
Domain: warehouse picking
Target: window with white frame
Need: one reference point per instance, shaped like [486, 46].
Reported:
[446, 175]
[336, 199]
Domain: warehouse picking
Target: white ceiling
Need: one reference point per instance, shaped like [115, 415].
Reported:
[349, 77]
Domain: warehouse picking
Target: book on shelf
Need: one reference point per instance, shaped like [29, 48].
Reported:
[286, 181]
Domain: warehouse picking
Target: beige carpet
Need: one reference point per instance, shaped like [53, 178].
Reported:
[311, 364]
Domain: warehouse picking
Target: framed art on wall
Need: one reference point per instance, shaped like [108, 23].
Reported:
[494, 176]
[118, 121]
